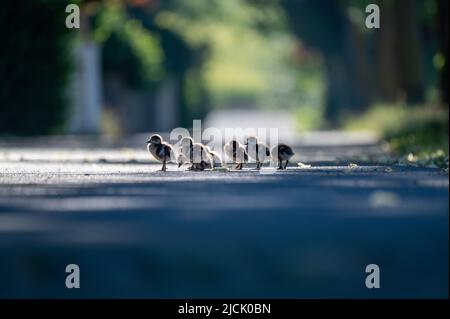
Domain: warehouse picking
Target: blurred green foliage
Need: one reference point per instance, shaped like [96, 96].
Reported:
[401, 60]
[253, 60]
[145, 54]
[418, 134]
[421, 137]
[129, 48]
[35, 63]
[313, 58]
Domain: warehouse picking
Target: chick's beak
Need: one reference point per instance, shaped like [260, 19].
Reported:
[148, 142]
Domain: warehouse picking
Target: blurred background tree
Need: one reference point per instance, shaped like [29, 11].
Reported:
[144, 55]
[364, 66]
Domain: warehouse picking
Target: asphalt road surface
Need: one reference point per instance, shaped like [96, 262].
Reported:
[137, 232]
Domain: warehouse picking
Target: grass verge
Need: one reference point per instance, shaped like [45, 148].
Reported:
[417, 135]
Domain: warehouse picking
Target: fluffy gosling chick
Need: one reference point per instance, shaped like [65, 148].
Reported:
[216, 159]
[282, 152]
[257, 151]
[236, 152]
[181, 159]
[185, 151]
[160, 150]
[201, 158]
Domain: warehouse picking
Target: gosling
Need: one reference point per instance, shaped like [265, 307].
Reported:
[216, 159]
[194, 153]
[236, 152]
[185, 152]
[160, 150]
[257, 151]
[282, 152]
[201, 159]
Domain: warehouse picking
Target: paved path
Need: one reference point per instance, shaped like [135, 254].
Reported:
[135, 232]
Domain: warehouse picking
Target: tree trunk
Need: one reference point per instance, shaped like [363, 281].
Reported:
[443, 24]
[386, 75]
[409, 51]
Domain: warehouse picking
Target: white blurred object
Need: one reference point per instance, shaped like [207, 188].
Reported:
[252, 122]
[86, 89]
[384, 199]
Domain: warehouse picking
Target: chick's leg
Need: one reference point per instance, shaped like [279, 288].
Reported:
[164, 166]
[285, 165]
